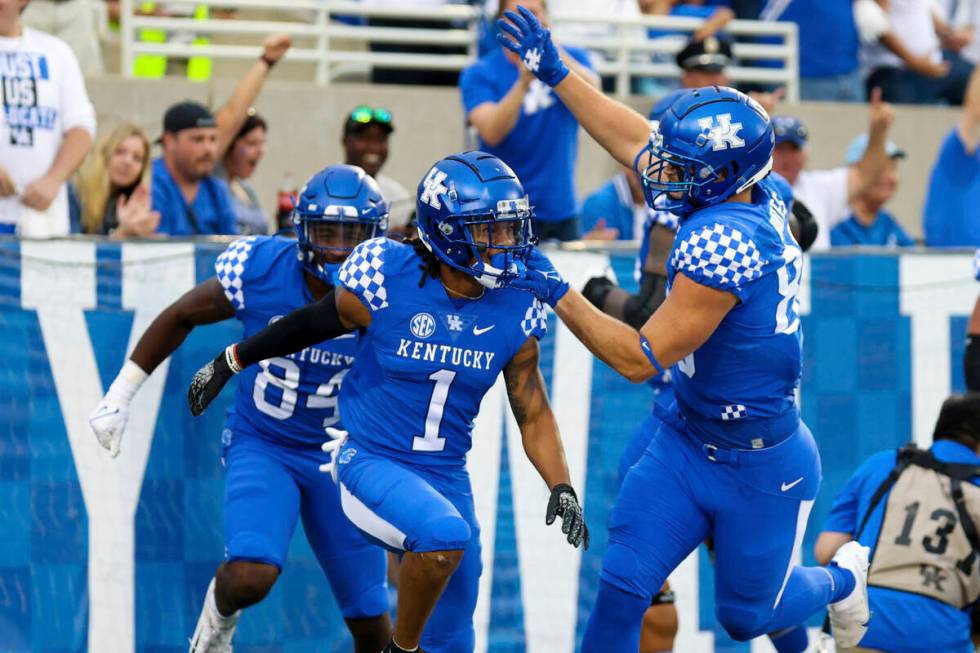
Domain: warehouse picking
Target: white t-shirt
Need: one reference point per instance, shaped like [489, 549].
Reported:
[911, 20]
[43, 97]
[401, 204]
[825, 193]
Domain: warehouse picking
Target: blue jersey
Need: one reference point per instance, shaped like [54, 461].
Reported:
[749, 368]
[426, 360]
[290, 399]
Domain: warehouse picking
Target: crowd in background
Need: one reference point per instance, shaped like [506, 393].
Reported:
[53, 181]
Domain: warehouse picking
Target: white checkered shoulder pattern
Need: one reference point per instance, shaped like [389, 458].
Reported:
[735, 411]
[719, 255]
[535, 320]
[229, 268]
[361, 273]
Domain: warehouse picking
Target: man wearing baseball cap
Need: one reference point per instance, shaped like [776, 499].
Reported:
[703, 62]
[829, 193]
[190, 199]
[868, 223]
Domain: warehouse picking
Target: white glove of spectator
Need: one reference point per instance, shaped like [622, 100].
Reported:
[871, 20]
[333, 447]
[109, 418]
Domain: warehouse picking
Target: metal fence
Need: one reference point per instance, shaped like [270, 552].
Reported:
[336, 38]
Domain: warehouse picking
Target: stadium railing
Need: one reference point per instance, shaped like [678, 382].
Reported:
[338, 47]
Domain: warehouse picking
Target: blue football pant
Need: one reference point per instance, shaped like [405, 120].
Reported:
[419, 509]
[267, 488]
[755, 504]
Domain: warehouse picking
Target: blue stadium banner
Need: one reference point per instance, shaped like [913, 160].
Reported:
[114, 556]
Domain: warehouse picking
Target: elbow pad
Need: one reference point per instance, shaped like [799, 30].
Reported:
[639, 307]
[597, 289]
[971, 363]
[300, 329]
[871, 20]
[807, 227]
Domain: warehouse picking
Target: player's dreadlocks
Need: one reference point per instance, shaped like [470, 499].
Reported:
[430, 264]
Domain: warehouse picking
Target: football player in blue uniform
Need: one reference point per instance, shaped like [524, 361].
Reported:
[275, 427]
[437, 324]
[731, 457]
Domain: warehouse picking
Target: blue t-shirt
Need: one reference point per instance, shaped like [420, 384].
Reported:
[212, 209]
[828, 36]
[883, 232]
[288, 400]
[543, 146]
[426, 360]
[903, 622]
[613, 201]
[951, 211]
[738, 388]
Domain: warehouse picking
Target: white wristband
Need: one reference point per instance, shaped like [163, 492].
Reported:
[127, 382]
[231, 357]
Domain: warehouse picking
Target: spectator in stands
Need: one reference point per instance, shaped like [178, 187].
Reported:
[190, 199]
[365, 140]
[110, 194]
[47, 127]
[716, 14]
[907, 62]
[827, 193]
[617, 210]
[241, 138]
[828, 40]
[520, 120]
[917, 510]
[703, 61]
[72, 21]
[951, 215]
[964, 17]
[869, 223]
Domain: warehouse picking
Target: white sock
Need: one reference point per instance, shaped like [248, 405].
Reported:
[212, 606]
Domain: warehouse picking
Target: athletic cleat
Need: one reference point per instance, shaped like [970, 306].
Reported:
[213, 634]
[849, 617]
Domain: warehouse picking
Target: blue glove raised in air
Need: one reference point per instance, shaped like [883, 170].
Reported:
[532, 43]
[541, 279]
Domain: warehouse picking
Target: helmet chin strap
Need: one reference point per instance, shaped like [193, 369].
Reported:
[493, 276]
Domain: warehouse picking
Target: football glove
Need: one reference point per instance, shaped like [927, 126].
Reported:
[541, 279]
[522, 34]
[108, 420]
[210, 379]
[563, 503]
[332, 448]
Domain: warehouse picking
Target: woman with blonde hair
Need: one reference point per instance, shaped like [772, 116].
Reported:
[110, 194]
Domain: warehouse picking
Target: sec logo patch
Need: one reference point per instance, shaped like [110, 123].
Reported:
[422, 325]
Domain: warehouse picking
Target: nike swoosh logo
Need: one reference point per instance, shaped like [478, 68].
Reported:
[477, 331]
[788, 486]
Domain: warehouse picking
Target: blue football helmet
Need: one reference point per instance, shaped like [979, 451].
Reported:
[660, 106]
[708, 145]
[338, 208]
[472, 202]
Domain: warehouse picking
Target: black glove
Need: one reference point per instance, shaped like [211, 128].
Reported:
[564, 503]
[208, 382]
[597, 289]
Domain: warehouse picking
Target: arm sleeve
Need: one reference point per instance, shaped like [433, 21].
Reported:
[843, 517]
[720, 256]
[76, 109]
[302, 328]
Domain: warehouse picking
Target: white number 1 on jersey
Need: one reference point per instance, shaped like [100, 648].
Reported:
[433, 420]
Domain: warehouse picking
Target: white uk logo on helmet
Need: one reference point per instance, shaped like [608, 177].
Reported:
[724, 135]
[433, 188]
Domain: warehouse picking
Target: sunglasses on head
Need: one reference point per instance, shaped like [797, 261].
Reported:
[365, 114]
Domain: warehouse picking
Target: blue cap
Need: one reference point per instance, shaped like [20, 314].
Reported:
[789, 129]
[855, 150]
